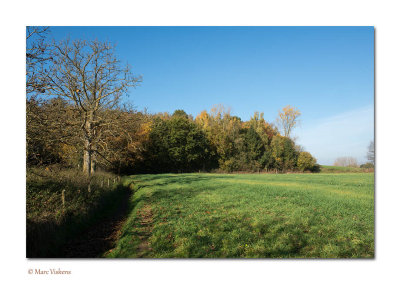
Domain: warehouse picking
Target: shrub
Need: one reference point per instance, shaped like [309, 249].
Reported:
[305, 161]
[367, 166]
[316, 168]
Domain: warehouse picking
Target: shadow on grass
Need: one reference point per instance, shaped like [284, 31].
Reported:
[176, 189]
[169, 179]
[166, 181]
[166, 191]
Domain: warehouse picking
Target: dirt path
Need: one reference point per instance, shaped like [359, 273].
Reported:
[146, 227]
[99, 238]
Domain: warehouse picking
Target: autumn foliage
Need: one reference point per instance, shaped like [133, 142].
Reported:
[288, 119]
[139, 142]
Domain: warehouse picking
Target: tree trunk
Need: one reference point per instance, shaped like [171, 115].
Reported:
[88, 154]
[93, 162]
[87, 158]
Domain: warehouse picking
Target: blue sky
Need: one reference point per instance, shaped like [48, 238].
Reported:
[326, 72]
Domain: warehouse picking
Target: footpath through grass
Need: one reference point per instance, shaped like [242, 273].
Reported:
[250, 215]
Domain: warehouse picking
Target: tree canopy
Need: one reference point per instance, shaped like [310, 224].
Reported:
[139, 142]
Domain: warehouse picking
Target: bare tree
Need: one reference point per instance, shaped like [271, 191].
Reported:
[88, 75]
[346, 162]
[287, 119]
[371, 152]
[37, 55]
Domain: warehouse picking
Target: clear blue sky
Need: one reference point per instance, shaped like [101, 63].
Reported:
[326, 72]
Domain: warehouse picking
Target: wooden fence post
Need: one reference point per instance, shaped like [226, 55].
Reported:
[63, 198]
[90, 184]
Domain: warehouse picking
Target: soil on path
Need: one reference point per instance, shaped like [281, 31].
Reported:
[146, 226]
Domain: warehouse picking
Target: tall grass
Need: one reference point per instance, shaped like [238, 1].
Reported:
[59, 207]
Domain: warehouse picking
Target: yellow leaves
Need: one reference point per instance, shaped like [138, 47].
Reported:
[289, 112]
[203, 119]
[203, 116]
[305, 161]
[287, 119]
[145, 129]
[66, 150]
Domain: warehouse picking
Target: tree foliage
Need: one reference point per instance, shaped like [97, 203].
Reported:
[284, 153]
[287, 119]
[367, 166]
[51, 133]
[177, 144]
[138, 142]
[305, 161]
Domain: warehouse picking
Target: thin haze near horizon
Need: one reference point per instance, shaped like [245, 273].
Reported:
[326, 72]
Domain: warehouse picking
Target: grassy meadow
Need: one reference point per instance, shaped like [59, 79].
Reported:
[249, 215]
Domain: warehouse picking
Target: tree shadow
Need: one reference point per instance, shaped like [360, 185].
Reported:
[81, 235]
[183, 180]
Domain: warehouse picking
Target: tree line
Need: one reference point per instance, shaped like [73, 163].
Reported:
[75, 118]
[139, 142]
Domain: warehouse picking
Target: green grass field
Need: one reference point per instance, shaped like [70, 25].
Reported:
[250, 215]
